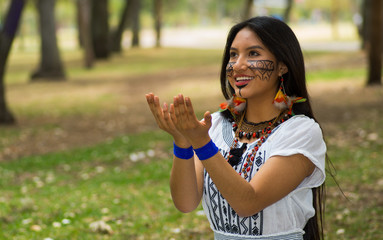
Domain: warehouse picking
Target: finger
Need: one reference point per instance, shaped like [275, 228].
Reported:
[165, 112]
[167, 117]
[207, 119]
[177, 111]
[182, 109]
[158, 113]
[156, 107]
[172, 114]
[189, 109]
[149, 99]
[152, 105]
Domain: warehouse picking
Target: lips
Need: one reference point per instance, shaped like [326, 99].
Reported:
[242, 81]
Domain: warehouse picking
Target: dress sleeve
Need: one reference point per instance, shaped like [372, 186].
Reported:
[302, 135]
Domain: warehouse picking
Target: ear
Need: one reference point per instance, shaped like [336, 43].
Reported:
[282, 68]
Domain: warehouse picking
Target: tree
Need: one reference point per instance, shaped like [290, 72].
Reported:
[158, 20]
[136, 7]
[7, 34]
[375, 46]
[50, 67]
[100, 28]
[364, 28]
[287, 13]
[247, 11]
[83, 10]
[117, 34]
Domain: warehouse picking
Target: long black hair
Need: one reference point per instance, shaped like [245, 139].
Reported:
[281, 41]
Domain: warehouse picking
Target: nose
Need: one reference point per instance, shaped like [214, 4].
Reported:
[241, 64]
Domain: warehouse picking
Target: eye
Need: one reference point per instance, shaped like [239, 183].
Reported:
[253, 54]
[233, 54]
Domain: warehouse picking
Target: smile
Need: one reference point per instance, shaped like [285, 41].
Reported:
[242, 81]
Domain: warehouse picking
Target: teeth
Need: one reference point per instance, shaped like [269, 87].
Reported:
[243, 78]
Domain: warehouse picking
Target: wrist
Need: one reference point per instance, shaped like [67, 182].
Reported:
[181, 142]
[200, 142]
[207, 151]
[183, 153]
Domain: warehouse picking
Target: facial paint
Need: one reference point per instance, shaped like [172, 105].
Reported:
[230, 69]
[262, 69]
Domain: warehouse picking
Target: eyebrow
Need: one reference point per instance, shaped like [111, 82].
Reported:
[251, 47]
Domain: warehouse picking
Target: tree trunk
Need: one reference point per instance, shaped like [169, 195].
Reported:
[287, 13]
[7, 34]
[83, 9]
[364, 31]
[136, 7]
[100, 29]
[158, 21]
[118, 33]
[247, 11]
[79, 19]
[51, 67]
[375, 46]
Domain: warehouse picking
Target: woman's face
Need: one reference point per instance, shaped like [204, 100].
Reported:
[252, 69]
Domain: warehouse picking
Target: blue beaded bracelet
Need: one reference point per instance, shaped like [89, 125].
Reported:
[183, 153]
[207, 151]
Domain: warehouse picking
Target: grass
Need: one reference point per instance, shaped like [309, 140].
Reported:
[360, 176]
[123, 182]
[119, 182]
[353, 74]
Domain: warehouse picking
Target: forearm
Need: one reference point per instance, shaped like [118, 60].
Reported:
[185, 189]
[236, 190]
[277, 178]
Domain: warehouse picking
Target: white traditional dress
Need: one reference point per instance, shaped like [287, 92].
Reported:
[286, 218]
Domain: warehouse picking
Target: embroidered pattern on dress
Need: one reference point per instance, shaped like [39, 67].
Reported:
[222, 217]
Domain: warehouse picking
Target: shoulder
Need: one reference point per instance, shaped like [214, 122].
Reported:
[300, 125]
[301, 120]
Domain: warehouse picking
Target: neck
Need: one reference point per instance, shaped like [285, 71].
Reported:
[259, 111]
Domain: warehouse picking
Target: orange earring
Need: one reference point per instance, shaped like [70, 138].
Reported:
[280, 100]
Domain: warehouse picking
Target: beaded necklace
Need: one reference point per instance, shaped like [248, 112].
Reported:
[260, 131]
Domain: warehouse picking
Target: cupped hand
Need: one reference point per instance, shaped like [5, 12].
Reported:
[186, 122]
[164, 121]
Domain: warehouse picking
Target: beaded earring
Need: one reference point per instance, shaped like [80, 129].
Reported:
[280, 100]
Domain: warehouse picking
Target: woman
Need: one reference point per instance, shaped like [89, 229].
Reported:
[258, 164]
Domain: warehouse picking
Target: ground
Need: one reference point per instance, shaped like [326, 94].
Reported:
[337, 104]
[85, 111]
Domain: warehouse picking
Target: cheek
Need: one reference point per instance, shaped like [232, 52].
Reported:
[230, 69]
[263, 69]
[231, 81]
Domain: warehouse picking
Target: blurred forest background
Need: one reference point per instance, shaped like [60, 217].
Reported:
[81, 156]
